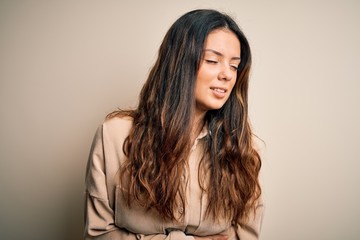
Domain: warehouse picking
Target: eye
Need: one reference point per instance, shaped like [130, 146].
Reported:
[234, 67]
[211, 61]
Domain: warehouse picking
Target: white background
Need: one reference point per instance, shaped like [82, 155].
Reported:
[65, 64]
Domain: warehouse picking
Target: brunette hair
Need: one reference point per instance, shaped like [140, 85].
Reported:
[158, 144]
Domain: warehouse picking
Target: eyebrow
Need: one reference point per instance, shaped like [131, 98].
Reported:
[220, 54]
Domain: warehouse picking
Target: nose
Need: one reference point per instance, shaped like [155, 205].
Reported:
[225, 73]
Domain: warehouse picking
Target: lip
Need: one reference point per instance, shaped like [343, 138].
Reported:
[219, 92]
[222, 88]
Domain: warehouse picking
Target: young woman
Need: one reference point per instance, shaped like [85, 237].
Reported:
[182, 165]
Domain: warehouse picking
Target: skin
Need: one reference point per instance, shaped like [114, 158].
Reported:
[212, 237]
[215, 80]
[217, 73]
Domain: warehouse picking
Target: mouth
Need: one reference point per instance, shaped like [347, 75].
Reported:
[219, 90]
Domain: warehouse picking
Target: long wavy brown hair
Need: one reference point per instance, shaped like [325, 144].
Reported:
[159, 141]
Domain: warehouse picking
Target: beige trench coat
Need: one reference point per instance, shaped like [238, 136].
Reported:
[108, 217]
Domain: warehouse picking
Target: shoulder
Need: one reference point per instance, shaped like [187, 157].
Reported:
[116, 129]
[258, 144]
[118, 124]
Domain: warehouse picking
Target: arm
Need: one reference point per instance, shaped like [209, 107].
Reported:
[99, 215]
[251, 230]
[100, 225]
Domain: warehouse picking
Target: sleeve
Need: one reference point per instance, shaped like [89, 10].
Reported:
[251, 230]
[99, 216]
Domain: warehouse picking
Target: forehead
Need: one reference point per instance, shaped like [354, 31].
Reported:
[224, 41]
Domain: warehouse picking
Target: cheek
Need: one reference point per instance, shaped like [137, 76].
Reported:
[207, 73]
[199, 88]
[202, 80]
[233, 83]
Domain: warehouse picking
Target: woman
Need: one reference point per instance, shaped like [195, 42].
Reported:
[182, 165]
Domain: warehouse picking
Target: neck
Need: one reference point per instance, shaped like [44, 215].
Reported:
[198, 123]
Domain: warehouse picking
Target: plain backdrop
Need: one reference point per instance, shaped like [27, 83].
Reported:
[65, 64]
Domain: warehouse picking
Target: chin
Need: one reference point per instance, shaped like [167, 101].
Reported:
[211, 105]
[215, 106]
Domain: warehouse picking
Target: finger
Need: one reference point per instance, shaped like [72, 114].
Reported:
[219, 237]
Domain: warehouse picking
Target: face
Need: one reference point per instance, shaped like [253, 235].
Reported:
[217, 72]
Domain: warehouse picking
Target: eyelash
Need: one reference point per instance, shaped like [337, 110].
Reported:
[235, 68]
[211, 61]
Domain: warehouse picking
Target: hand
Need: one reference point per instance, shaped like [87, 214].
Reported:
[212, 237]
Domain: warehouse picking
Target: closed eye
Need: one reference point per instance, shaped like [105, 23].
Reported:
[211, 61]
[234, 67]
